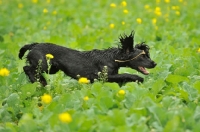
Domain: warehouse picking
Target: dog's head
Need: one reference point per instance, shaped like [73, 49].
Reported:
[137, 57]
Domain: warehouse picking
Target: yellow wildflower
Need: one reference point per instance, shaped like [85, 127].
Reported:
[173, 7]
[83, 80]
[65, 117]
[198, 50]
[48, 1]
[121, 92]
[112, 25]
[4, 72]
[86, 98]
[45, 10]
[35, 1]
[46, 98]
[124, 3]
[123, 23]
[157, 1]
[178, 13]
[167, 1]
[44, 27]
[20, 5]
[146, 6]
[180, 0]
[113, 5]
[158, 11]
[49, 56]
[54, 12]
[154, 20]
[125, 11]
[139, 20]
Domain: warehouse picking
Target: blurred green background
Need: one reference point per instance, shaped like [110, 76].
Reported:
[167, 101]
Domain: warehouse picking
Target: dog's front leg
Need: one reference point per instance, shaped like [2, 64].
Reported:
[122, 78]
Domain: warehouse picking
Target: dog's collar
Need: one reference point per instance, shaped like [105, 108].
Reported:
[142, 53]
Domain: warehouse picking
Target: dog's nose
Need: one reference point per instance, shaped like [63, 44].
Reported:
[154, 63]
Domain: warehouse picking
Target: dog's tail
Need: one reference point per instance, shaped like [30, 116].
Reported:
[25, 48]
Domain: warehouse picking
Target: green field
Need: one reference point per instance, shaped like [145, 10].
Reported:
[167, 101]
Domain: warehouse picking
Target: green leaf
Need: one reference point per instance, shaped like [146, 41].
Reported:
[184, 95]
[13, 100]
[27, 123]
[173, 125]
[158, 85]
[176, 78]
[28, 90]
[197, 113]
[113, 86]
[117, 117]
[106, 103]
[96, 88]
[197, 86]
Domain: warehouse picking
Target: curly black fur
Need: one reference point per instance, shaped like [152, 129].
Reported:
[88, 63]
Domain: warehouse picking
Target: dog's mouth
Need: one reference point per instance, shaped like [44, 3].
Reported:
[143, 70]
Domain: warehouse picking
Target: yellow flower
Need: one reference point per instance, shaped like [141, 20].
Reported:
[167, 1]
[157, 1]
[4, 72]
[65, 117]
[180, 0]
[45, 10]
[123, 23]
[49, 56]
[125, 11]
[146, 6]
[158, 11]
[124, 3]
[35, 1]
[139, 20]
[178, 13]
[154, 20]
[86, 98]
[113, 5]
[44, 27]
[121, 92]
[46, 98]
[83, 80]
[198, 50]
[20, 5]
[54, 12]
[48, 1]
[112, 25]
[175, 7]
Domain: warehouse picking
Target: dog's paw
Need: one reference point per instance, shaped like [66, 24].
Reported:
[139, 80]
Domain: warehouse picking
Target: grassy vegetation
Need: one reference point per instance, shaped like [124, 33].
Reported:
[168, 100]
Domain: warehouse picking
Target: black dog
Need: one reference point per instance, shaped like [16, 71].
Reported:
[88, 63]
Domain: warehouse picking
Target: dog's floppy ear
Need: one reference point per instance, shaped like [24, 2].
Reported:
[127, 42]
